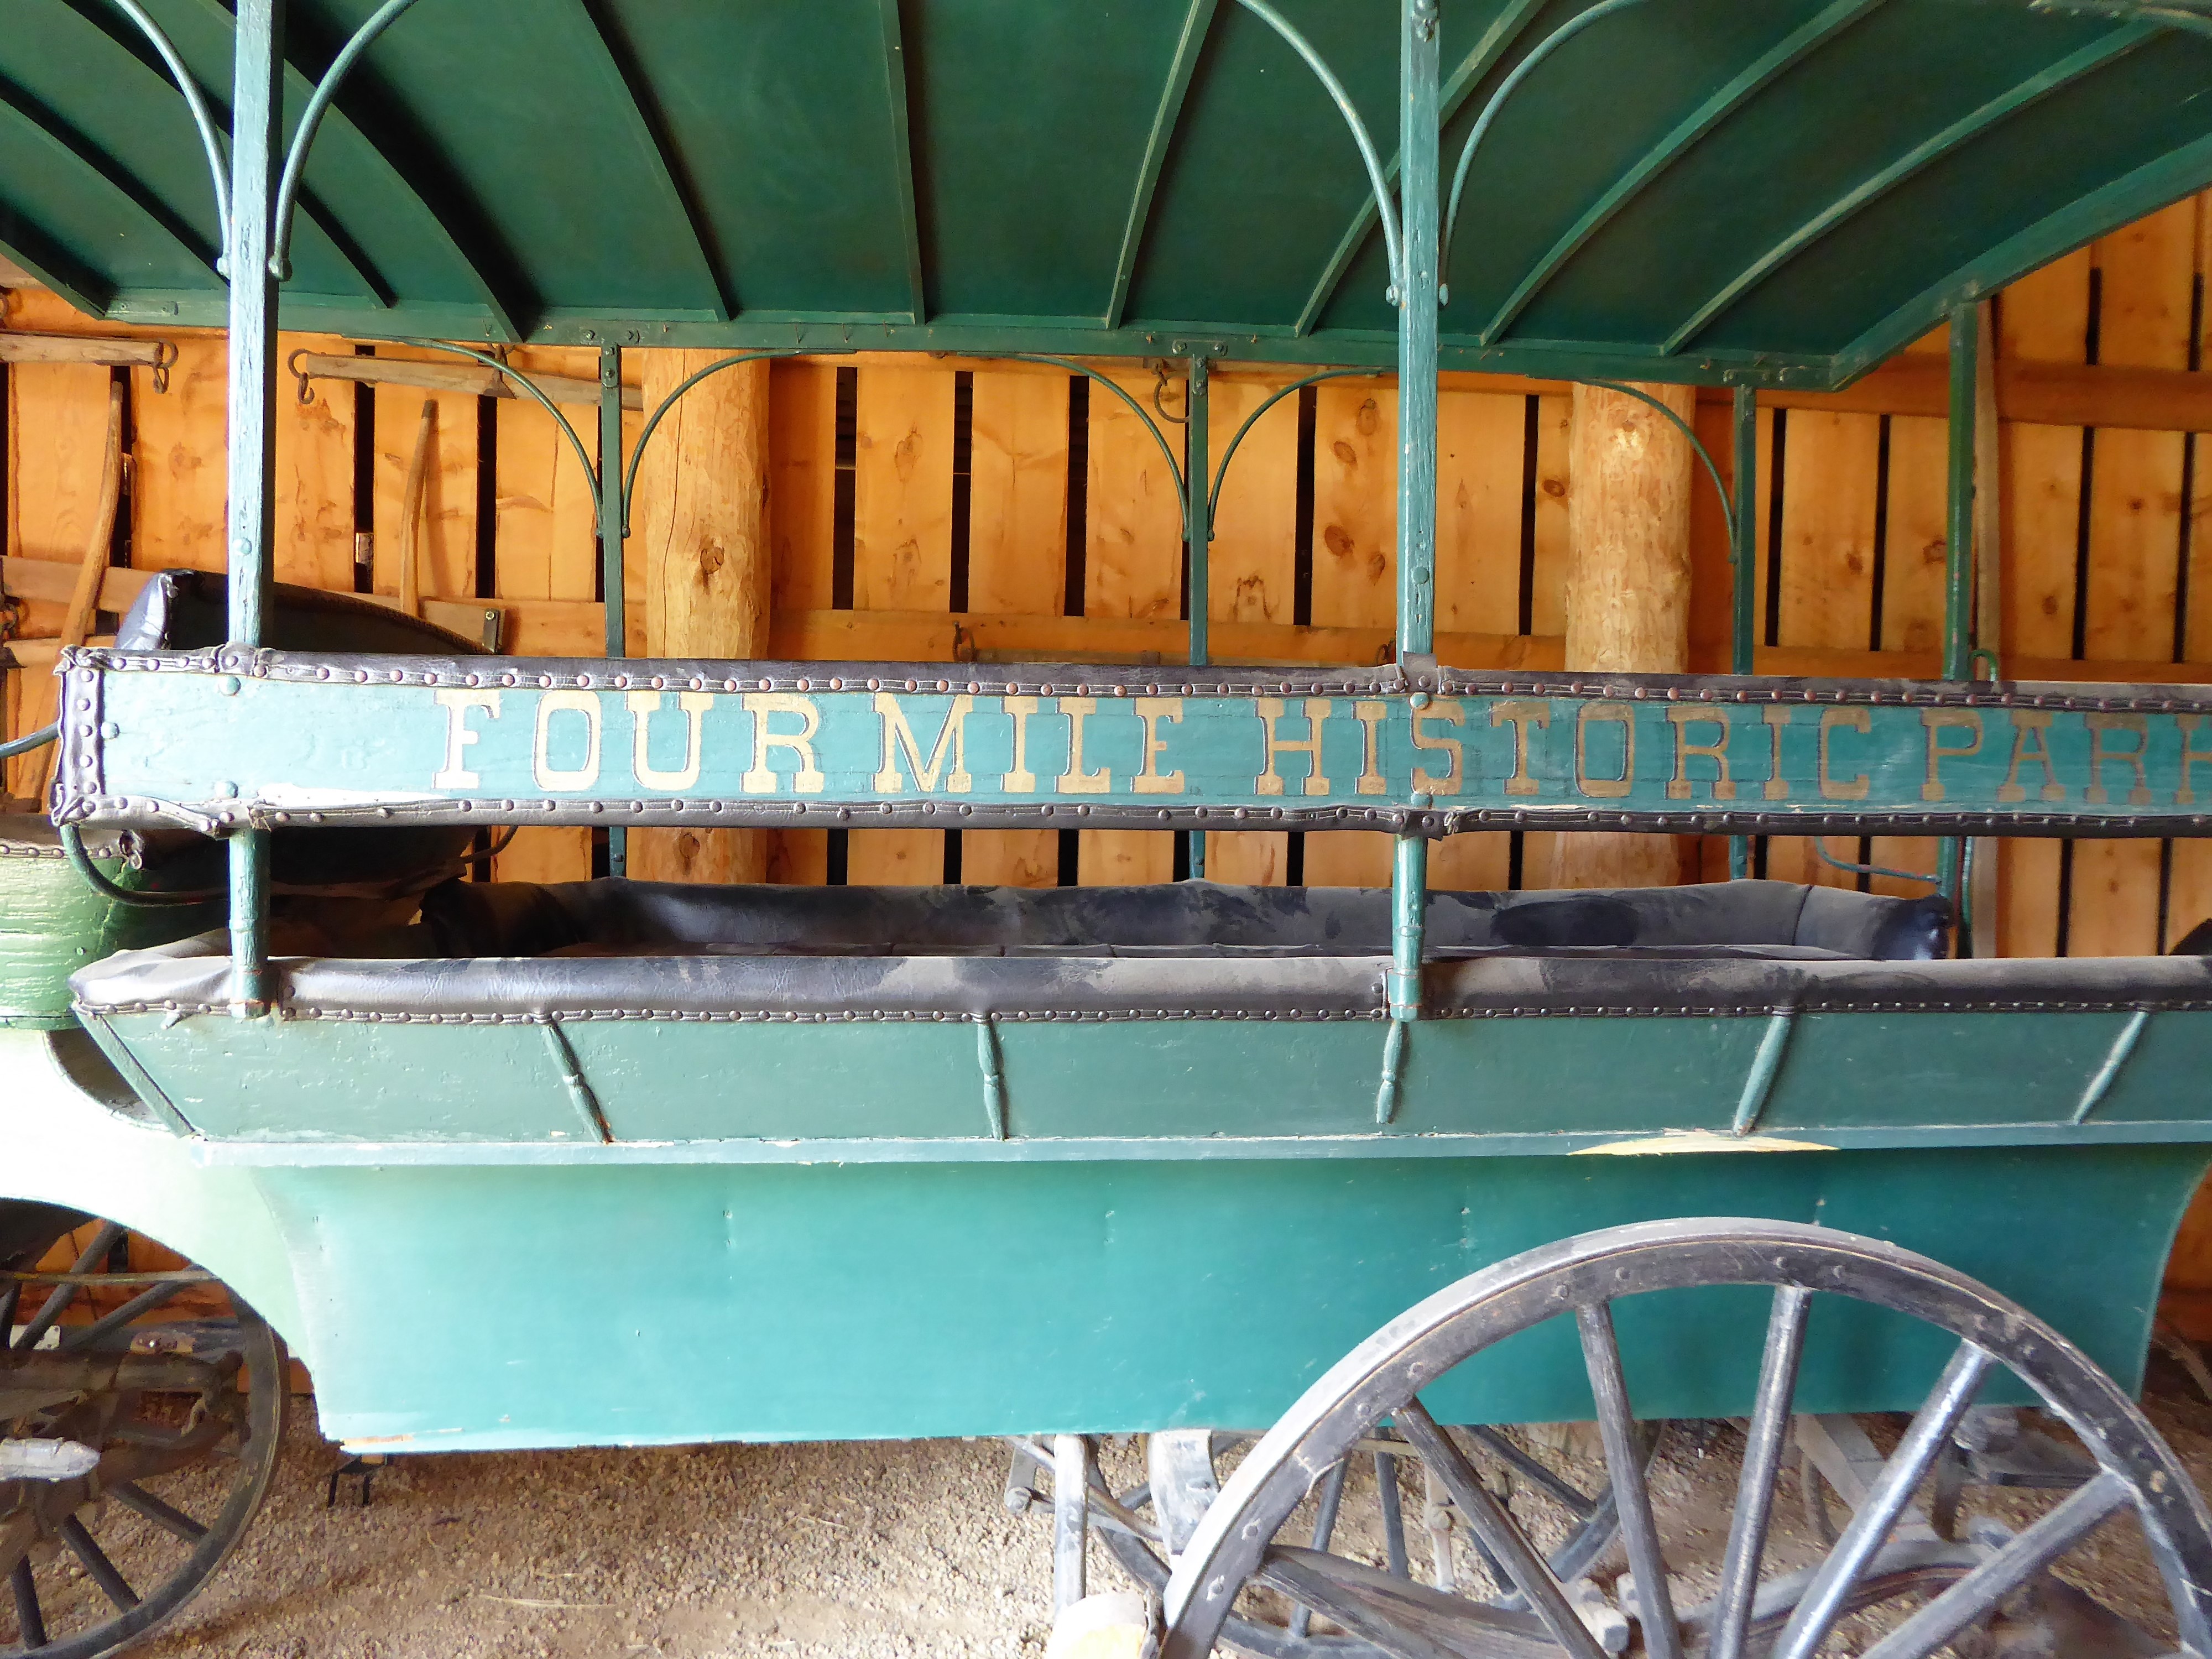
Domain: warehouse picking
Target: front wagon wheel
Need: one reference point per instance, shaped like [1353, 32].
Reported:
[1888, 1587]
[141, 1414]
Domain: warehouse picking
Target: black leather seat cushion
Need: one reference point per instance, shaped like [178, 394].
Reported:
[520, 919]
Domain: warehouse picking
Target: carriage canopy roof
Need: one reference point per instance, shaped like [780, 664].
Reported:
[1790, 188]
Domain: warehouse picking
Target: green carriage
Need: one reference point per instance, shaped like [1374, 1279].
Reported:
[760, 1163]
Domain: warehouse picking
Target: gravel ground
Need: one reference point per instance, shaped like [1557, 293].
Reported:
[840, 1550]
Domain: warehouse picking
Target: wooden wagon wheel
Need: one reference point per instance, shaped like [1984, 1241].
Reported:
[182, 1405]
[1573, 1513]
[1243, 1541]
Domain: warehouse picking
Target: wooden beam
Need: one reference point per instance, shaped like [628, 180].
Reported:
[83, 348]
[473, 379]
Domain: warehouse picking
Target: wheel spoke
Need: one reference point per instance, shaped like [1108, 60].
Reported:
[145, 1302]
[1762, 1463]
[30, 1618]
[1616, 1422]
[1581, 1506]
[11, 1294]
[1296, 1574]
[1931, 1427]
[1977, 1596]
[1332, 1496]
[136, 1498]
[1524, 1567]
[113, 1583]
[42, 1321]
[1394, 1523]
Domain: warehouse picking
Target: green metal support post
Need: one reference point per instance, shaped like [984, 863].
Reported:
[1744, 554]
[1419, 301]
[1959, 542]
[1198, 537]
[256, 100]
[614, 513]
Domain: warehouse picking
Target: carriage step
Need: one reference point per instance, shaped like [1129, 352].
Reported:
[45, 1460]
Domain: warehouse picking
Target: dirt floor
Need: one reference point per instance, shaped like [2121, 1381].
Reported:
[840, 1551]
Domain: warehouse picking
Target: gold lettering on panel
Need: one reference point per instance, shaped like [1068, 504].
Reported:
[1777, 786]
[1448, 784]
[1520, 713]
[2099, 724]
[1624, 715]
[2185, 795]
[693, 705]
[2030, 741]
[1937, 721]
[1075, 780]
[760, 777]
[1270, 781]
[952, 741]
[1833, 787]
[549, 775]
[1150, 781]
[1679, 787]
[457, 702]
[1369, 715]
[1020, 781]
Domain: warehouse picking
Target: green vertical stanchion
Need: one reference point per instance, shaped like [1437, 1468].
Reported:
[1959, 542]
[1744, 554]
[614, 513]
[1198, 537]
[256, 93]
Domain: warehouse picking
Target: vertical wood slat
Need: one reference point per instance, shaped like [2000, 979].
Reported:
[1915, 557]
[1355, 571]
[445, 536]
[1253, 569]
[1831, 464]
[2042, 318]
[177, 481]
[56, 419]
[2190, 882]
[314, 476]
[2148, 271]
[802, 401]
[546, 537]
[1133, 566]
[901, 557]
[1017, 560]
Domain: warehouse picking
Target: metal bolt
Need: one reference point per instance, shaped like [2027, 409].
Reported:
[228, 686]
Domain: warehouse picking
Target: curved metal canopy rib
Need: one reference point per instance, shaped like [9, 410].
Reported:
[1681, 189]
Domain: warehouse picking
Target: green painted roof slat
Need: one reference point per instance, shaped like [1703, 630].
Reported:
[1195, 23]
[2066, 70]
[1792, 49]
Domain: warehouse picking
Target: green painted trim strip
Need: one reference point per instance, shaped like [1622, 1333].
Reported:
[982, 1149]
[142, 1083]
[2123, 1045]
[1785, 55]
[1196, 24]
[1765, 1066]
[2153, 185]
[1496, 41]
[1922, 156]
[902, 143]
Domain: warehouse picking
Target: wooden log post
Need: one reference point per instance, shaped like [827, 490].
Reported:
[700, 515]
[1628, 586]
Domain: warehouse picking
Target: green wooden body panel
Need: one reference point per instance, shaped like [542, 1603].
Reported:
[738, 1090]
[473, 1307]
[300, 738]
[51, 924]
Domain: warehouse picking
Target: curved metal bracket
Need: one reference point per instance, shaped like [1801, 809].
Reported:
[1375, 180]
[211, 138]
[529, 387]
[80, 861]
[1712, 472]
[295, 158]
[652, 421]
[1213, 496]
[30, 740]
[1521, 71]
[1175, 470]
